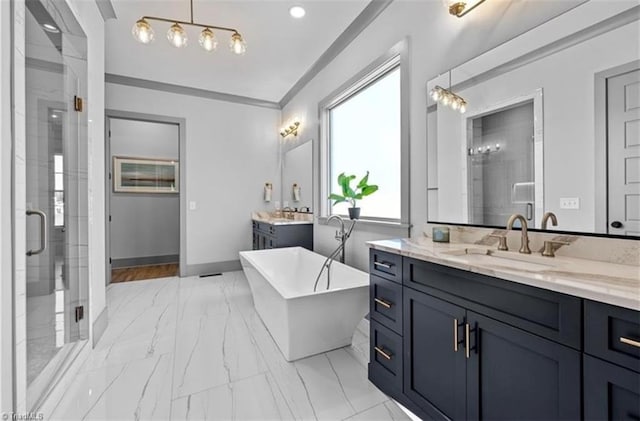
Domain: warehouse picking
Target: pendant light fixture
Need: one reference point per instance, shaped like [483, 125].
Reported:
[177, 36]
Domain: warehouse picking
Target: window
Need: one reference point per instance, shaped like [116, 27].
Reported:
[58, 190]
[364, 133]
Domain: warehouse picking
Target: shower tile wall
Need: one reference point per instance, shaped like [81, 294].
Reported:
[495, 173]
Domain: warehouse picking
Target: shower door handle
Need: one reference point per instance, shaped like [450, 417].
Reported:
[43, 231]
[529, 211]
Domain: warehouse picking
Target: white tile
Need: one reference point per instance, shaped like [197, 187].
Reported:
[136, 390]
[253, 398]
[214, 351]
[387, 411]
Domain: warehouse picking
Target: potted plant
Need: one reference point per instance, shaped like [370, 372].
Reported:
[350, 194]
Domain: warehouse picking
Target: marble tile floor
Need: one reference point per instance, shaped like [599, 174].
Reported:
[194, 349]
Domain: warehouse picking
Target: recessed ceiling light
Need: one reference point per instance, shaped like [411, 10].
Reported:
[297, 12]
[50, 28]
[54, 115]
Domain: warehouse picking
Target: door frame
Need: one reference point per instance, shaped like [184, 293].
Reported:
[601, 141]
[182, 154]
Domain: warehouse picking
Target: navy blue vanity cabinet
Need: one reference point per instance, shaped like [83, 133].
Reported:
[477, 347]
[269, 236]
[513, 374]
[435, 366]
[611, 362]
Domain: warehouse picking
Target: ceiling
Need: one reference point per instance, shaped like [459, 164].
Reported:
[280, 49]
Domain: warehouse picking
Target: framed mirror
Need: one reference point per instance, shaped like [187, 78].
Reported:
[297, 176]
[552, 124]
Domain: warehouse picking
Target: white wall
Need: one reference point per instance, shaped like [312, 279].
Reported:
[231, 151]
[567, 79]
[144, 224]
[437, 42]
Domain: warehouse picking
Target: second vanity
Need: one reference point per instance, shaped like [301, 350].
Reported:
[463, 331]
[285, 230]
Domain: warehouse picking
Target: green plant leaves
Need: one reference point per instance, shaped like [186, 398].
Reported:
[348, 193]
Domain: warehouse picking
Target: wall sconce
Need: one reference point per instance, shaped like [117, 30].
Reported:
[448, 98]
[460, 8]
[291, 128]
[481, 150]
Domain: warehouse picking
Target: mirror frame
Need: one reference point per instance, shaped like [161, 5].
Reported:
[571, 28]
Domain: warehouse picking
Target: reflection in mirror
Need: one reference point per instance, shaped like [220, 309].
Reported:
[552, 128]
[297, 176]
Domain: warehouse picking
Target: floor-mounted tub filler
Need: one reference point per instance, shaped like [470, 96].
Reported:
[303, 322]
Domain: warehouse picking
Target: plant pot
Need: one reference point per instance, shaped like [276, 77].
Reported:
[354, 213]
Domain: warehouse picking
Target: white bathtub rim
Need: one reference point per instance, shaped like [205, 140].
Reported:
[246, 255]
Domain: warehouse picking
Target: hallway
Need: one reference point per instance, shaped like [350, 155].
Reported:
[194, 348]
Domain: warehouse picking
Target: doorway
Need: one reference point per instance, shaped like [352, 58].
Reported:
[143, 196]
[623, 153]
[504, 164]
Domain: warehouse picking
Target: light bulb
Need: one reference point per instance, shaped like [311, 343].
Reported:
[237, 44]
[435, 94]
[463, 107]
[208, 40]
[455, 104]
[177, 36]
[446, 99]
[142, 31]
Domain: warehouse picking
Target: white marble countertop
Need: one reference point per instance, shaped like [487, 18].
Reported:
[270, 218]
[609, 283]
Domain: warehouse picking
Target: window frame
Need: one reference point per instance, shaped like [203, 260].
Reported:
[396, 57]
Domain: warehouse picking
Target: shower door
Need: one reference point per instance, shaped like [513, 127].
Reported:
[56, 196]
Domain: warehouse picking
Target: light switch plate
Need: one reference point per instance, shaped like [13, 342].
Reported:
[569, 203]
[192, 205]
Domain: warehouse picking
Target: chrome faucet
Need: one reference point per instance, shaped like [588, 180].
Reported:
[340, 235]
[546, 217]
[524, 245]
[288, 211]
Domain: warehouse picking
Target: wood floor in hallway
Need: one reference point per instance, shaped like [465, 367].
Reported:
[139, 273]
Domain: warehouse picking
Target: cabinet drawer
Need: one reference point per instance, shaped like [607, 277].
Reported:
[385, 366]
[385, 265]
[385, 303]
[546, 313]
[612, 333]
[613, 392]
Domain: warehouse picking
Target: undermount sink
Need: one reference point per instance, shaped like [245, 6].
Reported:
[502, 258]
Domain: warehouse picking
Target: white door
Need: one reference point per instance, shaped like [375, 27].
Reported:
[623, 107]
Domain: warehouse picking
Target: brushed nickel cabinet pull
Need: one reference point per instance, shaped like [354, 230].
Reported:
[383, 303]
[628, 341]
[383, 353]
[467, 352]
[384, 265]
[455, 335]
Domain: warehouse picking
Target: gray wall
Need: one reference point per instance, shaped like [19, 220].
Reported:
[144, 225]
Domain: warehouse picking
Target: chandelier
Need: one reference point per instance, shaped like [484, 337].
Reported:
[177, 36]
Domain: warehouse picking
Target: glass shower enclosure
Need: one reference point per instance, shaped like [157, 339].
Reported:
[57, 269]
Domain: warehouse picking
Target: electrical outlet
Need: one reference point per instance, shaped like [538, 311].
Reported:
[192, 205]
[569, 203]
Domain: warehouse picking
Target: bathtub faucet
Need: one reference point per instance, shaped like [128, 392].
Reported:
[341, 236]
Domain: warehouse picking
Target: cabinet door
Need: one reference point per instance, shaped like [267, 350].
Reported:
[514, 375]
[434, 372]
[610, 392]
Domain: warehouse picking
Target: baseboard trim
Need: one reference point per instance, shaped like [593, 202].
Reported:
[99, 326]
[144, 261]
[215, 267]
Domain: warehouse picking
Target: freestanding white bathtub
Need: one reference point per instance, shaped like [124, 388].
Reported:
[303, 322]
